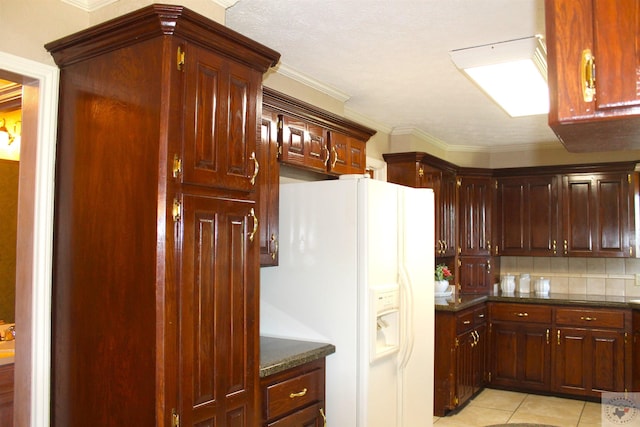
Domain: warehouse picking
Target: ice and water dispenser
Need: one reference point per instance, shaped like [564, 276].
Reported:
[385, 318]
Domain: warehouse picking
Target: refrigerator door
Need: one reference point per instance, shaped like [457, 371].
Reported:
[378, 222]
[416, 360]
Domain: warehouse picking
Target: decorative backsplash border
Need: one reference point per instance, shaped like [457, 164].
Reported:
[590, 276]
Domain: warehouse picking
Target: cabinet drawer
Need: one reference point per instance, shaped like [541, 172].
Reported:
[480, 315]
[464, 321]
[311, 416]
[296, 392]
[584, 317]
[529, 313]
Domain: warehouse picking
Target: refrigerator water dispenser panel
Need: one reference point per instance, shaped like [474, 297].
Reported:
[385, 318]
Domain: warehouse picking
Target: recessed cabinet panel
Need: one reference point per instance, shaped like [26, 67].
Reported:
[217, 298]
[220, 121]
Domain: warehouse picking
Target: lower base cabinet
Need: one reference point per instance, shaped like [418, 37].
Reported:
[520, 346]
[460, 357]
[574, 351]
[295, 397]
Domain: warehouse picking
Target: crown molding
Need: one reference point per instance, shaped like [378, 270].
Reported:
[89, 5]
[226, 3]
[287, 71]
[366, 120]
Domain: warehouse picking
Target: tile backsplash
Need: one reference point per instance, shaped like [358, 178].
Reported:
[590, 276]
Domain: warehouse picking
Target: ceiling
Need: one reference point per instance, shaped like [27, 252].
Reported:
[389, 60]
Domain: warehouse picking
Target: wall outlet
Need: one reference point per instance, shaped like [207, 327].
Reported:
[637, 279]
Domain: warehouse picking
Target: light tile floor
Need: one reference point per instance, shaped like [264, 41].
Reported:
[508, 407]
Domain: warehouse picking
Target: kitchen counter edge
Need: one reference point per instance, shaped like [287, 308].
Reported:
[465, 301]
[280, 354]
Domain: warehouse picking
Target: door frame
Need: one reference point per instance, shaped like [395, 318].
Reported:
[34, 248]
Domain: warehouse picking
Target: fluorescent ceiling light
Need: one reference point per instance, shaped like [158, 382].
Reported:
[513, 73]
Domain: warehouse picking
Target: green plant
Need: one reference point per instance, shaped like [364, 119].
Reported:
[443, 272]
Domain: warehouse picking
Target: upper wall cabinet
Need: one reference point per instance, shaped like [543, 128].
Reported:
[586, 38]
[304, 136]
[581, 211]
[317, 140]
[416, 169]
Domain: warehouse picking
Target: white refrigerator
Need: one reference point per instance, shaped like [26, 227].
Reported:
[356, 270]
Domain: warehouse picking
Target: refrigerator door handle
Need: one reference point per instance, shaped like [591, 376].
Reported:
[407, 316]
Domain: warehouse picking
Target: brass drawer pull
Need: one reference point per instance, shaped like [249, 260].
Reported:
[466, 322]
[588, 319]
[525, 314]
[298, 394]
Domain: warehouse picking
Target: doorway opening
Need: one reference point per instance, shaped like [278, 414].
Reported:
[34, 236]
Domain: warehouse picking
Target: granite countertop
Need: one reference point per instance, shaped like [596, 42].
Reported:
[464, 301]
[279, 354]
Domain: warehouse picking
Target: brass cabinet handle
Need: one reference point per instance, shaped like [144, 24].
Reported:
[335, 157]
[566, 247]
[252, 214]
[588, 319]
[588, 67]
[256, 168]
[554, 247]
[480, 316]
[558, 335]
[420, 172]
[274, 240]
[489, 266]
[298, 394]
[324, 417]
[547, 336]
[466, 322]
[525, 314]
[327, 155]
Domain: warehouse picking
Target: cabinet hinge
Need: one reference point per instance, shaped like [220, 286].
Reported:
[457, 343]
[175, 212]
[180, 59]
[456, 400]
[280, 150]
[177, 166]
[629, 178]
[489, 376]
[175, 418]
[626, 337]
[496, 183]
[459, 182]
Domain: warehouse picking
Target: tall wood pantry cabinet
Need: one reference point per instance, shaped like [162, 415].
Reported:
[155, 293]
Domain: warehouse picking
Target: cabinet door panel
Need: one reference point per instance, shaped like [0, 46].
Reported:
[543, 216]
[571, 358]
[616, 34]
[307, 417]
[535, 363]
[218, 304]
[607, 356]
[475, 274]
[512, 217]
[220, 121]
[269, 185]
[505, 354]
[475, 216]
[465, 367]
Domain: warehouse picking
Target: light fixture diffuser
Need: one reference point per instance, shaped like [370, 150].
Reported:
[513, 73]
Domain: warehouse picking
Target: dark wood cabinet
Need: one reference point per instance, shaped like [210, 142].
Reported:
[420, 170]
[317, 140]
[592, 351]
[269, 184]
[295, 397]
[579, 210]
[460, 357]
[476, 274]
[596, 214]
[474, 215]
[520, 346]
[571, 350]
[528, 217]
[587, 38]
[156, 250]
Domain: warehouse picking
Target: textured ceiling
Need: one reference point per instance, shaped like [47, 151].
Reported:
[390, 58]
